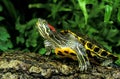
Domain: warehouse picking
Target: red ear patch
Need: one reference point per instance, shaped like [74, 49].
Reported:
[51, 27]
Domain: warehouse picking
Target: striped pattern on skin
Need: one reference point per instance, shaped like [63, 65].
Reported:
[92, 49]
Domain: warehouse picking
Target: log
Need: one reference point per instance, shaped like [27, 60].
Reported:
[21, 65]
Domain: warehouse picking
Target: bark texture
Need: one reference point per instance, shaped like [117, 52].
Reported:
[19, 65]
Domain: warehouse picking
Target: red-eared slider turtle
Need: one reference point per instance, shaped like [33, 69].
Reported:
[68, 44]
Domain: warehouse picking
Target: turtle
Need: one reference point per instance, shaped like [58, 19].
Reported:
[68, 44]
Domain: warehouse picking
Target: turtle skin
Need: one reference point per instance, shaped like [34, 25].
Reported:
[69, 45]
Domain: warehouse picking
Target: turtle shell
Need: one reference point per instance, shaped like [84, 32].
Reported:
[96, 54]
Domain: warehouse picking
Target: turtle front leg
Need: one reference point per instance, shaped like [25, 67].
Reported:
[82, 57]
[48, 47]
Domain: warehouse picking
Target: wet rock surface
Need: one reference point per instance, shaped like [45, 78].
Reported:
[20, 65]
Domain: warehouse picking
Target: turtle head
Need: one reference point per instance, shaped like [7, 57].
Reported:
[44, 28]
